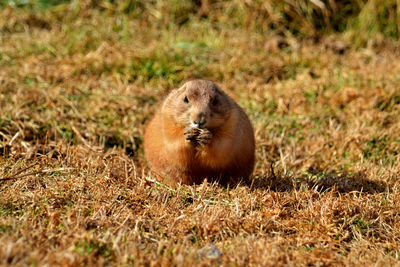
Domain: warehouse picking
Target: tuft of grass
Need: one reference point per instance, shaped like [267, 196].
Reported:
[94, 248]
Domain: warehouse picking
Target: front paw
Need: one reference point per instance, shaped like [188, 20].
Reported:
[191, 133]
[204, 137]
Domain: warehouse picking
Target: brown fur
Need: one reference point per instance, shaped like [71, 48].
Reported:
[220, 146]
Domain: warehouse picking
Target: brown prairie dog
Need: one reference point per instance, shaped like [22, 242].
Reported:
[200, 132]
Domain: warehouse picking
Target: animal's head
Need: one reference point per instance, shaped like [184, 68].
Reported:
[200, 104]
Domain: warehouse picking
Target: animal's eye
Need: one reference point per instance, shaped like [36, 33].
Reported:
[186, 100]
[215, 101]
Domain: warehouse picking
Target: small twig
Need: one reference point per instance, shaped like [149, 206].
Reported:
[223, 202]
[18, 172]
[272, 170]
[16, 176]
[19, 176]
[82, 139]
[78, 134]
[14, 137]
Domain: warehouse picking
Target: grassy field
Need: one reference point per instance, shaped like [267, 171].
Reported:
[79, 81]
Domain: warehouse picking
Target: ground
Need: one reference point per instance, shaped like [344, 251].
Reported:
[78, 85]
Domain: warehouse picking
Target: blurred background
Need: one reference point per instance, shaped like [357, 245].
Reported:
[363, 21]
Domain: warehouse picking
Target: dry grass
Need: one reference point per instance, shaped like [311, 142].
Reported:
[77, 86]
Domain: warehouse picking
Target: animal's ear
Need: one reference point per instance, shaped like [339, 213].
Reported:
[217, 88]
[178, 91]
[182, 89]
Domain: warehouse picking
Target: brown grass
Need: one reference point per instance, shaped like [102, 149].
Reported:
[77, 86]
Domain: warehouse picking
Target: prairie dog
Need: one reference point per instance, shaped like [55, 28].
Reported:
[200, 132]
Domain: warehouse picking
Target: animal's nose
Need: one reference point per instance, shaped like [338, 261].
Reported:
[200, 121]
